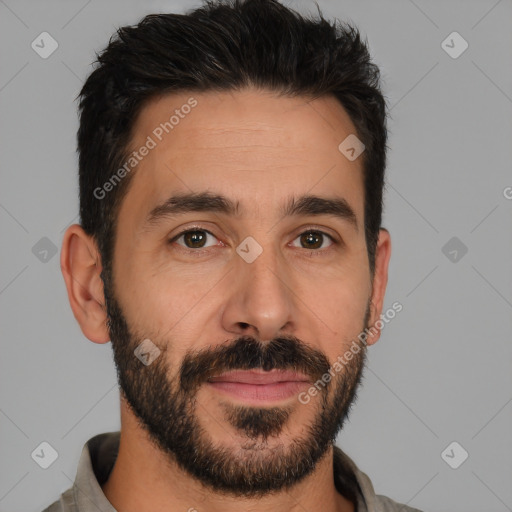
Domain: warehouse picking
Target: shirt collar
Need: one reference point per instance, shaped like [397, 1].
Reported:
[96, 462]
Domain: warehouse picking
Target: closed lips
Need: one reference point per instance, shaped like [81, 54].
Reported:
[260, 377]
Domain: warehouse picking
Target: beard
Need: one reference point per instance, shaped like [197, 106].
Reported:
[167, 409]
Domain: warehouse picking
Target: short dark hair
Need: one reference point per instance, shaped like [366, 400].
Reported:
[224, 45]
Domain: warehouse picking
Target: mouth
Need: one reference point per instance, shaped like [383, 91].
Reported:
[258, 386]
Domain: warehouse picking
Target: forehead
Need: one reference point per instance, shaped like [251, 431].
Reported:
[251, 145]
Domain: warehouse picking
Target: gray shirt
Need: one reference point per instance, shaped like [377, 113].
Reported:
[100, 452]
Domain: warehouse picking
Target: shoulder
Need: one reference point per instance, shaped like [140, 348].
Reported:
[378, 502]
[66, 503]
[386, 504]
[348, 474]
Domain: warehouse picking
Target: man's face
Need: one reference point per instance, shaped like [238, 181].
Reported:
[256, 289]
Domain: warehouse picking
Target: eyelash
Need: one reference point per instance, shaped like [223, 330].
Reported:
[201, 251]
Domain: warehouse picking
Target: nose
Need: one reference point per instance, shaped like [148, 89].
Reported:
[261, 303]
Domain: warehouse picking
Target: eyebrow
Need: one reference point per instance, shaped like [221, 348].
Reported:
[209, 202]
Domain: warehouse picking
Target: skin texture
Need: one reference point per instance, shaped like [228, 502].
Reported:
[259, 150]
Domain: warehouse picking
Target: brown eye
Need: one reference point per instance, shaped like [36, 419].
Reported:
[194, 238]
[313, 239]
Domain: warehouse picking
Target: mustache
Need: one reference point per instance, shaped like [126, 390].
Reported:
[247, 353]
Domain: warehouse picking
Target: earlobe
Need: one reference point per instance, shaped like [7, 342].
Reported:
[380, 280]
[80, 264]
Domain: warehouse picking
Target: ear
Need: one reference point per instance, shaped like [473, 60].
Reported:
[80, 263]
[380, 281]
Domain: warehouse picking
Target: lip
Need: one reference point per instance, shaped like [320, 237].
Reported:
[260, 377]
[259, 387]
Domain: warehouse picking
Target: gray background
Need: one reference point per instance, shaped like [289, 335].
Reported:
[442, 369]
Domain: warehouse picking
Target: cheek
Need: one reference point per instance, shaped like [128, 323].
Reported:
[164, 304]
[341, 308]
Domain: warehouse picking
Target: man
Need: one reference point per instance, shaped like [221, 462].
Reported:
[231, 166]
